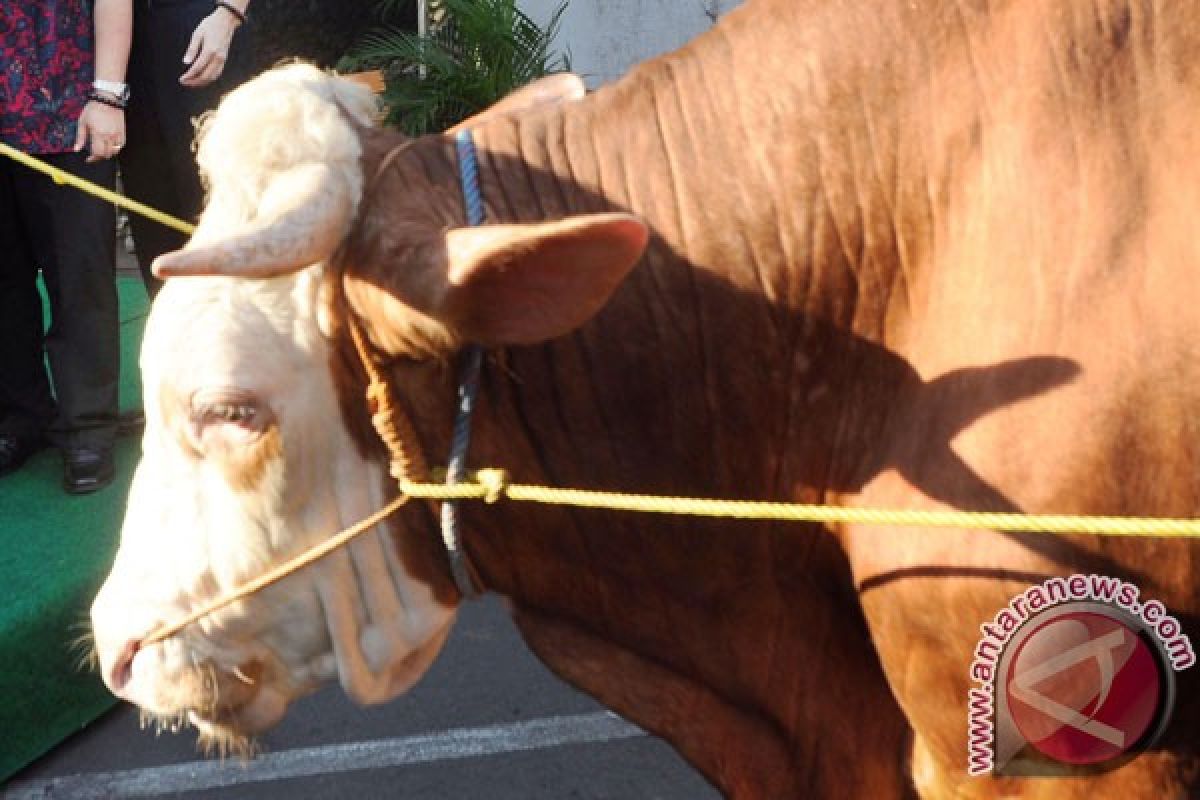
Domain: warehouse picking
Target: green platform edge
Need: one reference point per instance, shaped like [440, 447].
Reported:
[55, 550]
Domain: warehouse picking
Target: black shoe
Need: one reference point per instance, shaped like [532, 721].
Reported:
[86, 469]
[15, 450]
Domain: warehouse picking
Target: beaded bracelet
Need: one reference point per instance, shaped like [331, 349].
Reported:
[105, 99]
[232, 9]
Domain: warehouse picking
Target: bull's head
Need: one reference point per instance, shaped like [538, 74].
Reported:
[246, 459]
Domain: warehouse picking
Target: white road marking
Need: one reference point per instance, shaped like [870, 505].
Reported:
[534, 734]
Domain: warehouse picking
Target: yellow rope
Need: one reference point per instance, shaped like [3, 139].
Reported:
[61, 177]
[492, 484]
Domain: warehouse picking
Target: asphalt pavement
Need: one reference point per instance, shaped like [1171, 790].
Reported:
[488, 722]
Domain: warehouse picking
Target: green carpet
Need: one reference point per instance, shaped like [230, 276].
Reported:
[55, 550]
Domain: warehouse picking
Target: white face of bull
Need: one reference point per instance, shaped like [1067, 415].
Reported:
[245, 463]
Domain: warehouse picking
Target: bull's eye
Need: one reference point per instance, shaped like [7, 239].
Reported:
[228, 408]
[231, 412]
[234, 430]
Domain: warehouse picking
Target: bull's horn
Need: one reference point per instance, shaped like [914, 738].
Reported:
[302, 216]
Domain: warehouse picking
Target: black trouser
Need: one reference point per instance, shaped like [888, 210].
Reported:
[158, 165]
[70, 236]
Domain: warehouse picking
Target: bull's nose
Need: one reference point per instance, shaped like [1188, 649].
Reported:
[118, 672]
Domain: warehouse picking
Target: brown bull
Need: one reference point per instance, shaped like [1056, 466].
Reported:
[900, 254]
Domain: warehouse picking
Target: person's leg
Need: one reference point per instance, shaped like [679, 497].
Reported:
[75, 245]
[26, 404]
[159, 163]
[145, 176]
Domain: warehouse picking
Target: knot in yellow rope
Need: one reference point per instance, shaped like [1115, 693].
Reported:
[494, 483]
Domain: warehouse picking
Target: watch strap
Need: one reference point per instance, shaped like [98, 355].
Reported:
[115, 88]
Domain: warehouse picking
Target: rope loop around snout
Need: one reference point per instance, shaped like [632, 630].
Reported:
[308, 557]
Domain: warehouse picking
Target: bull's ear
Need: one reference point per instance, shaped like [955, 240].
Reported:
[520, 284]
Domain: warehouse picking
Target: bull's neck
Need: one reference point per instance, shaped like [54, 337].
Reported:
[773, 283]
[757, 175]
[726, 366]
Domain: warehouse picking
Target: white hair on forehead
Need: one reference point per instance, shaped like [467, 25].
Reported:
[286, 117]
[195, 321]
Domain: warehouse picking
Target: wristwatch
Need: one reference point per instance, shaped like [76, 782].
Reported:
[117, 90]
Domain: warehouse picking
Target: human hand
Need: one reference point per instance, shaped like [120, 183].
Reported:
[102, 128]
[208, 49]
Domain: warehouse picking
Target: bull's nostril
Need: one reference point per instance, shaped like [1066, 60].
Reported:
[122, 667]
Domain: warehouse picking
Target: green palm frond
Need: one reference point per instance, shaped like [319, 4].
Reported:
[477, 52]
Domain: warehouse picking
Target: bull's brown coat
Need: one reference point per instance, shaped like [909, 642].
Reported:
[903, 255]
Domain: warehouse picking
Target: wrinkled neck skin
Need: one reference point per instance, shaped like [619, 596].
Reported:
[709, 373]
[834, 308]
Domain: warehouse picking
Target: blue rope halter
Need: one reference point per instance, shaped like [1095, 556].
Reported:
[468, 384]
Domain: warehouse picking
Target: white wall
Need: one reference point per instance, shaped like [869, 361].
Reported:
[606, 37]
